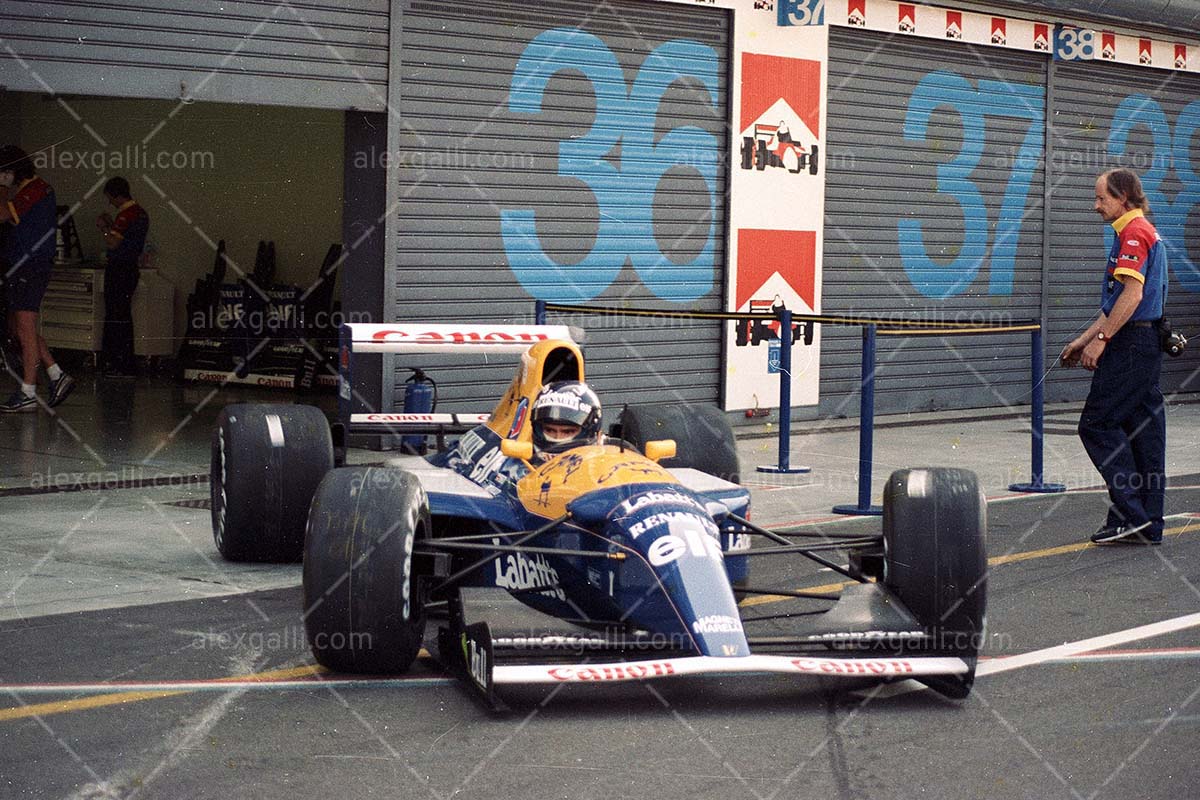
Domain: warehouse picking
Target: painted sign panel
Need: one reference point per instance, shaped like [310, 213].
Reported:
[777, 213]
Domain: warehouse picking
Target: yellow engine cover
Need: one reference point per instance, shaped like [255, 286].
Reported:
[548, 489]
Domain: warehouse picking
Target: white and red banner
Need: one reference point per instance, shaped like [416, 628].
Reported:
[777, 208]
[888, 16]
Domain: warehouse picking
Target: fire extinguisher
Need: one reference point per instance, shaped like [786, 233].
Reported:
[420, 397]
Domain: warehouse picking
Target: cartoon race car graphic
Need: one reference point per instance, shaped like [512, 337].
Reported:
[772, 146]
[752, 332]
[619, 559]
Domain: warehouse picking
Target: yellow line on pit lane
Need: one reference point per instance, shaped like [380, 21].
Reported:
[118, 698]
[1012, 558]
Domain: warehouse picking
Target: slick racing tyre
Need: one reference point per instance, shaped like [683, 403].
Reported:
[813, 152]
[703, 437]
[934, 523]
[364, 608]
[266, 463]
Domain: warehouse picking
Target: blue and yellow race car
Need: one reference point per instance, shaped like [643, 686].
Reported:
[618, 558]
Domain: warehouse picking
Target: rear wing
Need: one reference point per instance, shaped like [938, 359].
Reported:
[483, 339]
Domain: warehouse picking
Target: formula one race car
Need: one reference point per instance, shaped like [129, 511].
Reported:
[617, 560]
[773, 146]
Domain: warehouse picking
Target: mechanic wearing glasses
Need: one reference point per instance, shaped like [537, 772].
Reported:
[1123, 425]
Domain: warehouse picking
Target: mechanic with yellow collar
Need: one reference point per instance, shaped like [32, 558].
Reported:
[125, 238]
[28, 207]
[1123, 425]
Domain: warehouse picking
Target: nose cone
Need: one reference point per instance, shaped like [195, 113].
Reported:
[680, 543]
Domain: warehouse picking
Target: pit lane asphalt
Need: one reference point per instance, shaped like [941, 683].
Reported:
[1121, 723]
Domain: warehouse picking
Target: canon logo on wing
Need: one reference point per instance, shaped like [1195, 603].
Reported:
[615, 672]
[853, 667]
[456, 337]
[400, 417]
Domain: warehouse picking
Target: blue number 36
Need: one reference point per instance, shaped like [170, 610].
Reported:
[624, 188]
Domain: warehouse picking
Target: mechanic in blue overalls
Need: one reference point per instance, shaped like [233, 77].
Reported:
[28, 206]
[125, 239]
[1123, 425]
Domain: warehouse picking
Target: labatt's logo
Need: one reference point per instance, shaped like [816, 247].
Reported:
[517, 571]
[457, 337]
[634, 503]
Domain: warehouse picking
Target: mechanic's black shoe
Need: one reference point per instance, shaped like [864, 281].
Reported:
[59, 389]
[1143, 538]
[1118, 533]
[18, 403]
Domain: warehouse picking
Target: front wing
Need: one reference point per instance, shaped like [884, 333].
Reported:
[521, 674]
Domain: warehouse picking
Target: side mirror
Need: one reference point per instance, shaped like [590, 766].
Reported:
[516, 449]
[660, 449]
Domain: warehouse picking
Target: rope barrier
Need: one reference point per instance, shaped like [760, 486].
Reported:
[825, 319]
[956, 332]
[871, 328]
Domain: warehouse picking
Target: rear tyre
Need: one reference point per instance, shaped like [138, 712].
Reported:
[813, 152]
[934, 523]
[364, 604]
[703, 437]
[266, 463]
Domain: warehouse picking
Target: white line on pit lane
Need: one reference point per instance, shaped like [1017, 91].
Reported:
[1067, 651]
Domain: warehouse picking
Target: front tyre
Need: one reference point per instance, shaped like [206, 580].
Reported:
[934, 524]
[364, 609]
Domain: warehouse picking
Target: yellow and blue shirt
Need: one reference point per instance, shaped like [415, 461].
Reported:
[1137, 254]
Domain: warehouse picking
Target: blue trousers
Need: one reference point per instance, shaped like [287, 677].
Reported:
[1124, 427]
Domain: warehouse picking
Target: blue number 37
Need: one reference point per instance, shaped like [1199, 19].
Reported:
[992, 98]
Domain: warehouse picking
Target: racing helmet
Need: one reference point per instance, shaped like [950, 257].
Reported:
[565, 403]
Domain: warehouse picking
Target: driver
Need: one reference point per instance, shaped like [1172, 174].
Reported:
[565, 415]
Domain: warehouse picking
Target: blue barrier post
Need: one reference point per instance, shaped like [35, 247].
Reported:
[539, 312]
[1036, 402]
[866, 430]
[785, 399]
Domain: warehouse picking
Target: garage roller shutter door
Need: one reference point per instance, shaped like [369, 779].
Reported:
[1103, 116]
[311, 54]
[905, 114]
[574, 152]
